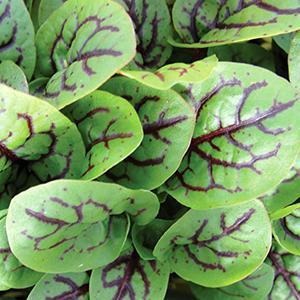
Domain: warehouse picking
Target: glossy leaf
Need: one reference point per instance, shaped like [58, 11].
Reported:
[17, 35]
[47, 7]
[210, 23]
[130, 277]
[110, 128]
[168, 124]
[255, 286]
[80, 46]
[167, 76]
[294, 61]
[61, 286]
[217, 247]
[246, 137]
[34, 131]
[74, 226]
[13, 76]
[12, 273]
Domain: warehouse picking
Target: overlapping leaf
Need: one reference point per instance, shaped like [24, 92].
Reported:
[130, 277]
[168, 124]
[294, 61]
[17, 35]
[61, 286]
[80, 46]
[284, 41]
[47, 7]
[204, 23]
[217, 247]
[74, 226]
[255, 286]
[110, 128]
[246, 137]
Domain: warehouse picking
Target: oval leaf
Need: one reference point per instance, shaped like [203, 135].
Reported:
[61, 286]
[168, 124]
[110, 128]
[74, 226]
[246, 137]
[217, 247]
[80, 46]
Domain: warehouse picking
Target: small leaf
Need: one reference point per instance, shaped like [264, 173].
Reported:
[294, 61]
[61, 286]
[73, 226]
[130, 277]
[47, 7]
[217, 247]
[281, 213]
[246, 137]
[110, 128]
[208, 23]
[255, 286]
[167, 76]
[80, 46]
[284, 41]
[13, 76]
[17, 35]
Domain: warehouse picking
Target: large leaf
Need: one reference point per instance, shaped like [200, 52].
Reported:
[17, 35]
[73, 226]
[110, 128]
[217, 247]
[61, 286]
[254, 287]
[246, 137]
[294, 61]
[168, 124]
[167, 76]
[287, 276]
[205, 23]
[130, 277]
[13, 76]
[34, 131]
[80, 46]
[12, 273]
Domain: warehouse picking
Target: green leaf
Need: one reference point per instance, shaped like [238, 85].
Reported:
[46, 8]
[17, 35]
[294, 61]
[286, 266]
[130, 277]
[34, 131]
[168, 124]
[246, 137]
[284, 41]
[281, 213]
[12, 273]
[13, 76]
[110, 128]
[73, 226]
[80, 46]
[217, 247]
[61, 286]
[287, 231]
[208, 23]
[255, 286]
[245, 53]
[7, 186]
[167, 76]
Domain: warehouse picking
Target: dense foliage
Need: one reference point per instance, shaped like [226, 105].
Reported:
[149, 149]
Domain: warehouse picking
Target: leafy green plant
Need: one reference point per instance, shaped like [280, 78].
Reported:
[149, 149]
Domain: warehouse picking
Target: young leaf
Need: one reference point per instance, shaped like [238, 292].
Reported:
[110, 128]
[246, 137]
[46, 8]
[286, 266]
[217, 247]
[17, 35]
[255, 286]
[294, 61]
[61, 286]
[12, 273]
[130, 277]
[73, 226]
[167, 76]
[168, 124]
[80, 46]
[13, 76]
[245, 53]
[34, 131]
[152, 22]
[287, 231]
[205, 23]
